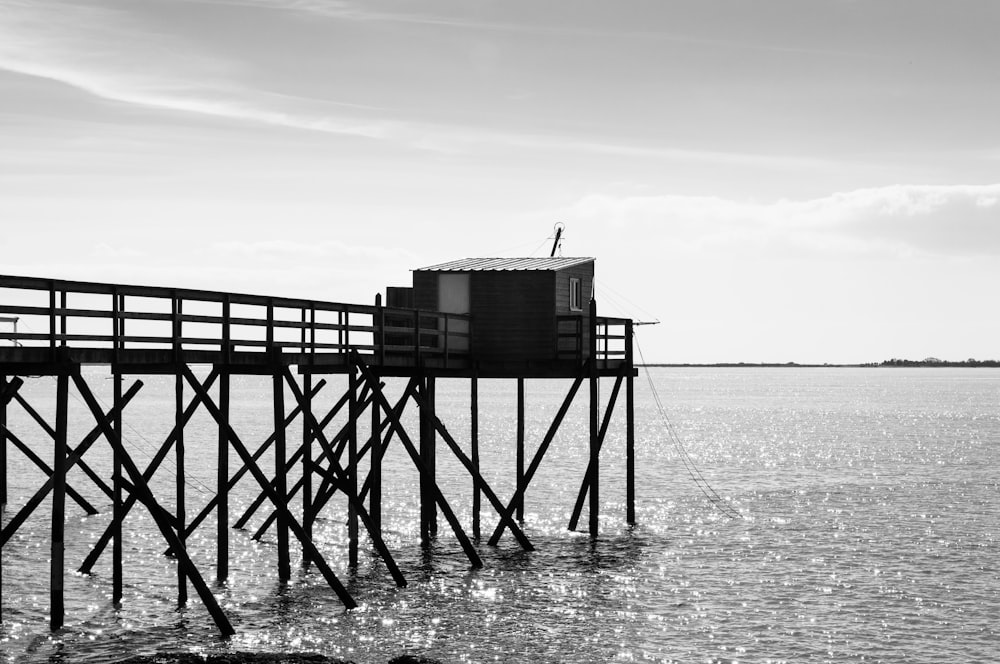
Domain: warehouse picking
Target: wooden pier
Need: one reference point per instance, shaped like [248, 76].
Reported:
[54, 327]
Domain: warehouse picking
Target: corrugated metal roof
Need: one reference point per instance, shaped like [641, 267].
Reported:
[505, 264]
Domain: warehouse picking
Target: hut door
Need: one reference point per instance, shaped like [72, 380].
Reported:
[453, 298]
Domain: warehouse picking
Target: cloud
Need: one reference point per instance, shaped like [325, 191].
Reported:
[110, 55]
[957, 220]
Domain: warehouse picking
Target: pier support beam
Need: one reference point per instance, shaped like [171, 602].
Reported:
[519, 454]
[180, 516]
[222, 483]
[58, 550]
[117, 510]
[3, 441]
[629, 426]
[351, 479]
[474, 444]
[594, 471]
[428, 457]
[280, 474]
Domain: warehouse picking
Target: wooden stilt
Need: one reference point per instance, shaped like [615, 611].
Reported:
[339, 478]
[280, 482]
[328, 488]
[57, 551]
[352, 466]
[428, 478]
[375, 469]
[117, 546]
[223, 486]
[3, 443]
[474, 443]
[308, 517]
[594, 472]
[487, 491]
[539, 455]
[629, 425]
[601, 434]
[519, 454]
[383, 403]
[179, 515]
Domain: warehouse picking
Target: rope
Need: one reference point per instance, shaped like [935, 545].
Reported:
[717, 501]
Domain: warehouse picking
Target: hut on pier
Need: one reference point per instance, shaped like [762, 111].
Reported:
[523, 311]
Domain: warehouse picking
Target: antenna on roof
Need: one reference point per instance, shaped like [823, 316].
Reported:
[557, 243]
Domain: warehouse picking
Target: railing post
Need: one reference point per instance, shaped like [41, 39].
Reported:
[226, 350]
[177, 330]
[416, 337]
[52, 319]
[378, 324]
[115, 326]
[270, 323]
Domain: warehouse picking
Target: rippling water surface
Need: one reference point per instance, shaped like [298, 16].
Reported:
[868, 532]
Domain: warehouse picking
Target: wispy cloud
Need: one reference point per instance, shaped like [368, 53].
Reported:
[898, 220]
[463, 15]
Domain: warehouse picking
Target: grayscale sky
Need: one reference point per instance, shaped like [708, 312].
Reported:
[773, 180]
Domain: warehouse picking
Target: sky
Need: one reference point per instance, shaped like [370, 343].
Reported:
[771, 180]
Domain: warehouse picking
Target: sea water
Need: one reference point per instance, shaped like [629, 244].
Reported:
[784, 515]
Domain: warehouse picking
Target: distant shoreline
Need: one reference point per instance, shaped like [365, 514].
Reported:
[891, 364]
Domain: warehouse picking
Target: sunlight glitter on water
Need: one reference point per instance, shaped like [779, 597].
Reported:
[869, 531]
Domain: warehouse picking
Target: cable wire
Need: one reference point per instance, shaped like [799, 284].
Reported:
[693, 471]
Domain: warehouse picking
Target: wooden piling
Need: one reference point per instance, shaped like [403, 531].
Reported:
[117, 545]
[428, 454]
[629, 426]
[280, 475]
[474, 444]
[58, 549]
[595, 446]
[222, 485]
[3, 443]
[519, 454]
[180, 515]
[375, 470]
[352, 465]
[308, 517]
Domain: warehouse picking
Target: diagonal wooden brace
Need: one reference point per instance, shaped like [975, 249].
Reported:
[72, 459]
[366, 373]
[339, 477]
[145, 495]
[293, 524]
[585, 485]
[536, 460]
[161, 454]
[506, 517]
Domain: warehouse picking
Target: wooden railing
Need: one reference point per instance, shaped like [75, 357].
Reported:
[121, 318]
[610, 336]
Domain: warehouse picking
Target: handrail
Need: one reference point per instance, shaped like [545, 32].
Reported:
[149, 317]
[610, 334]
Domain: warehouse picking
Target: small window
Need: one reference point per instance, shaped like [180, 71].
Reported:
[575, 294]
